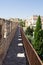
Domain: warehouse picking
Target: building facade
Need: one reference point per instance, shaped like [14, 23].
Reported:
[32, 21]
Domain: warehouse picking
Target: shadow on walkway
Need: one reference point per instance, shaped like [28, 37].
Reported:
[16, 54]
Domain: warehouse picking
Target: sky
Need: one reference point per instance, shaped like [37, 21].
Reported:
[20, 8]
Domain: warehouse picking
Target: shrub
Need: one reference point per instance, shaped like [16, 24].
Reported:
[29, 31]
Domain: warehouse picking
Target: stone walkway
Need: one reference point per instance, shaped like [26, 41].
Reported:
[16, 53]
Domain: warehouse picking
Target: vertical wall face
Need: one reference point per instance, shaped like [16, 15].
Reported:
[4, 28]
[7, 27]
[10, 26]
[0, 31]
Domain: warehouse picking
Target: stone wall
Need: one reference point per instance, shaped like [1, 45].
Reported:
[31, 54]
[5, 44]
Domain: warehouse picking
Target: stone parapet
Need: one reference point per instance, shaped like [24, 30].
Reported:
[31, 54]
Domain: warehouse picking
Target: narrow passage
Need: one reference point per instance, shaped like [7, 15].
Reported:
[16, 53]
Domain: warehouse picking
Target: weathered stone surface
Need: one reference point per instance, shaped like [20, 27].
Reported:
[16, 53]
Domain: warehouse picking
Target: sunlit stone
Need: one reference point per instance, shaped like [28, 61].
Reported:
[20, 55]
[19, 39]
[20, 44]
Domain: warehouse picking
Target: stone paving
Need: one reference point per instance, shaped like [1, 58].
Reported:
[16, 53]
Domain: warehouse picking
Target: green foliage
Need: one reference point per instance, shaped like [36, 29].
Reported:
[22, 23]
[38, 38]
[38, 27]
[39, 42]
[30, 38]
[29, 31]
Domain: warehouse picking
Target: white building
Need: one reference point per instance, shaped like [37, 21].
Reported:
[32, 21]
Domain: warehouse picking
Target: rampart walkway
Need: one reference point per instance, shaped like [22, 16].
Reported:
[16, 54]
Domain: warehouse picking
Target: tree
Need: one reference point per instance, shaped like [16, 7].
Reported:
[22, 23]
[38, 38]
[29, 31]
[38, 27]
